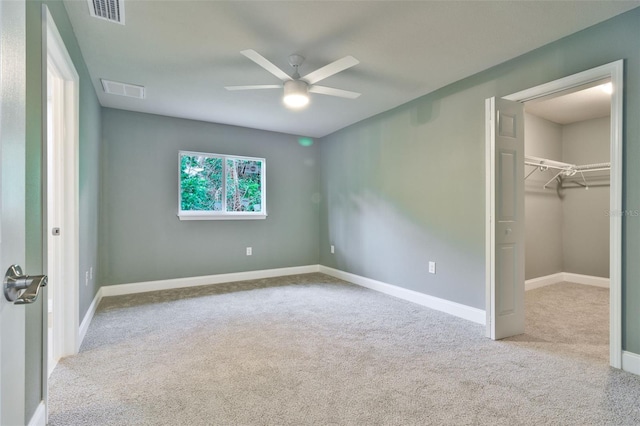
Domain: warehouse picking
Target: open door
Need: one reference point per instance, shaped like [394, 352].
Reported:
[18, 400]
[505, 218]
[12, 207]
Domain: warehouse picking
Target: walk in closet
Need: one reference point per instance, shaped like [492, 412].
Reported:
[567, 171]
[567, 201]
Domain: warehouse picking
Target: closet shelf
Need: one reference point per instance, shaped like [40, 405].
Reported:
[564, 169]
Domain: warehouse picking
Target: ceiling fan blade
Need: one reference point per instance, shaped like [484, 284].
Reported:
[331, 69]
[255, 87]
[264, 63]
[334, 92]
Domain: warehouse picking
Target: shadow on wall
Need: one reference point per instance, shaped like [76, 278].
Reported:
[425, 112]
[375, 239]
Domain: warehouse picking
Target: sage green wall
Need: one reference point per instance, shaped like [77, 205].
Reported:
[89, 139]
[407, 186]
[141, 236]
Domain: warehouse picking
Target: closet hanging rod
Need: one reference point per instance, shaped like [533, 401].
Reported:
[559, 165]
[546, 163]
[594, 167]
[564, 169]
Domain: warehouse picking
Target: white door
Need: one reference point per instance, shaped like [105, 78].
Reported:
[12, 206]
[505, 208]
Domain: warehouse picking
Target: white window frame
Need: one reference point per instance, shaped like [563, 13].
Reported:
[223, 214]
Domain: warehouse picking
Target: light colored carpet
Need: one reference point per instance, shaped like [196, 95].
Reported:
[313, 350]
[568, 319]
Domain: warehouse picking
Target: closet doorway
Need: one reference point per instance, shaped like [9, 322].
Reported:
[566, 192]
[501, 281]
[61, 212]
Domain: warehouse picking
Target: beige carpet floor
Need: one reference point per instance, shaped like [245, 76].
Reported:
[313, 350]
[568, 319]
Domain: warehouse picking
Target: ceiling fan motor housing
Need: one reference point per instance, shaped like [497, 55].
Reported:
[295, 87]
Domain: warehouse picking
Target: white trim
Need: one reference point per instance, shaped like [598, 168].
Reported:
[566, 83]
[566, 277]
[490, 226]
[614, 71]
[194, 215]
[456, 309]
[39, 418]
[631, 362]
[453, 308]
[615, 225]
[143, 287]
[587, 280]
[57, 53]
[86, 321]
[543, 281]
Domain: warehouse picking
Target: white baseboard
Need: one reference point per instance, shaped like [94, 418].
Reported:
[568, 277]
[543, 281]
[84, 326]
[143, 287]
[39, 418]
[631, 362]
[463, 311]
[586, 280]
[456, 309]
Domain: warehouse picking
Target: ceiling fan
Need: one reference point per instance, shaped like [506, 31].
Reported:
[296, 88]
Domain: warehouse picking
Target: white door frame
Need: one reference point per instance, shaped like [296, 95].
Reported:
[614, 71]
[67, 292]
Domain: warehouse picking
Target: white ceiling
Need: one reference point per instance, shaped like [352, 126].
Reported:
[185, 52]
[581, 105]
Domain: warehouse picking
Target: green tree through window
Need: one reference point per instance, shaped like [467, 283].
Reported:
[221, 184]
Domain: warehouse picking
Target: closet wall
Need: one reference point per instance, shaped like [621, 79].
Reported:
[585, 230]
[567, 231]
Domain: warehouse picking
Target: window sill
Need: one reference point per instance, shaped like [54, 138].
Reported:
[210, 216]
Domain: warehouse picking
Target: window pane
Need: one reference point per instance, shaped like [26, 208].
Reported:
[200, 183]
[244, 185]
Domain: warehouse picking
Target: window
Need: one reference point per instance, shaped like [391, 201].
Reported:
[214, 186]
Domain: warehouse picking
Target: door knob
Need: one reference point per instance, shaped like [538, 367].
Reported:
[15, 281]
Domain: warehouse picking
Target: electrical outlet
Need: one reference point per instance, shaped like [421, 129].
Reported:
[86, 278]
[333, 249]
[249, 251]
[432, 267]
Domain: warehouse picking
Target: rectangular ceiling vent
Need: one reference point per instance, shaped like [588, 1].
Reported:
[111, 10]
[123, 89]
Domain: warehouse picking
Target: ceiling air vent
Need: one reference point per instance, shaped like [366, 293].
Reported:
[123, 89]
[111, 10]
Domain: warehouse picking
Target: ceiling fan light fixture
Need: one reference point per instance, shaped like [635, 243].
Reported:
[296, 94]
